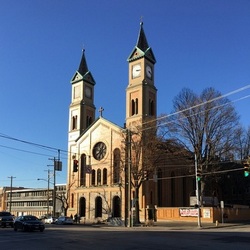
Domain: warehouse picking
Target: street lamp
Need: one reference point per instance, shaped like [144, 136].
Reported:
[11, 177]
[197, 189]
[48, 180]
[128, 180]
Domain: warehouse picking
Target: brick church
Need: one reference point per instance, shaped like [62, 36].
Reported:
[96, 176]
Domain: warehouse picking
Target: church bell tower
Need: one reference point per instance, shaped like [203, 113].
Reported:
[141, 93]
[82, 108]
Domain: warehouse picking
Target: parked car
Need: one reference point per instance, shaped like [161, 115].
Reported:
[6, 219]
[28, 223]
[42, 217]
[64, 220]
[50, 220]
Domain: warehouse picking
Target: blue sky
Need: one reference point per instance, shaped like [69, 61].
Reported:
[197, 44]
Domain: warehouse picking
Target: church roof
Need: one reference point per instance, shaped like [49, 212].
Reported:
[142, 49]
[84, 72]
[142, 40]
[83, 67]
[100, 119]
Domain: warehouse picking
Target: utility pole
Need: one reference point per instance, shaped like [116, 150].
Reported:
[54, 189]
[57, 167]
[129, 178]
[48, 181]
[197, 189]
[11, 181]
[48, 193]
[53, 213]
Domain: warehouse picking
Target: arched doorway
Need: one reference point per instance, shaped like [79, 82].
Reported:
[116, 206]
[173, 189]
[82, 207]
[159, 187]
[98, 207]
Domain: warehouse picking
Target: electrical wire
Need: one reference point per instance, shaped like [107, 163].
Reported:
[157, 119]
[25, 151]
[200, 104]
[203, 174]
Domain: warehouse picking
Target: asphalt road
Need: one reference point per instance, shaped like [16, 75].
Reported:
[172, 236]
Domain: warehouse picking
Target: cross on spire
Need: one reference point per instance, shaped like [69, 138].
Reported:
[101, 109]
[141, 20]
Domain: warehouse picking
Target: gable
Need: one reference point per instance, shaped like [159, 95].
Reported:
[101, 131]
[86, 77]
[136, 54]
[76, 78]
[150, 55]
[89, 78]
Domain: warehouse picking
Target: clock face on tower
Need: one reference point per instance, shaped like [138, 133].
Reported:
[149, 71]
[136, 70]
[99, 151]
[88, 92]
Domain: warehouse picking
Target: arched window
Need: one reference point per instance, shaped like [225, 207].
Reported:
[104, 177]
[98, 207]
[93, 177]
[116, 206]
[83, 170]
[116, 165]
[72, 200]
[134, 107]
[82, 207]
[74, 122]
[151, 107]
[159, 188]
[172, 189]
[88, 121]
[99, 175]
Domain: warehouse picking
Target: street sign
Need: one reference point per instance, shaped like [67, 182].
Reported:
[58, 165]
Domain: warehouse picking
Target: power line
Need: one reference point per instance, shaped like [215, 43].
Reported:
[218, 106]
[200, 104]
[157, 119]
[203, 174]
[25, 151]
[29, 143]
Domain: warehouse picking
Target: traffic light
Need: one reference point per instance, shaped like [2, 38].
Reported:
[75, 166]
[145, 175]
[246, 166]
[246, 170]
[198, 175]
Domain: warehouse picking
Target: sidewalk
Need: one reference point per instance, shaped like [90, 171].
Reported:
[175, 225]
[183, 225]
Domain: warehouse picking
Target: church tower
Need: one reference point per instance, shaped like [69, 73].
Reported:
[82, 108]
[141, 99]
[141, 94]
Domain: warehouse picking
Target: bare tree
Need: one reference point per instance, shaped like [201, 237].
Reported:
[242, 146]
[148, 147]
[64, 197]
[205, 124]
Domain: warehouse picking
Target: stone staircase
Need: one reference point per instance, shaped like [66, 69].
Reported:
[116, 222]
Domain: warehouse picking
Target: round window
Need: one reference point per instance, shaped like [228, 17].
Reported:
[99, 151]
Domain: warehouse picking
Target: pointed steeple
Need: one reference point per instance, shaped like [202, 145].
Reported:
[83, 68]
[83, 72]
[142, 40]
[142, 48]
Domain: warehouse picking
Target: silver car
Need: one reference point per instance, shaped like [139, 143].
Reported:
[64, 220]
[50, 220]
